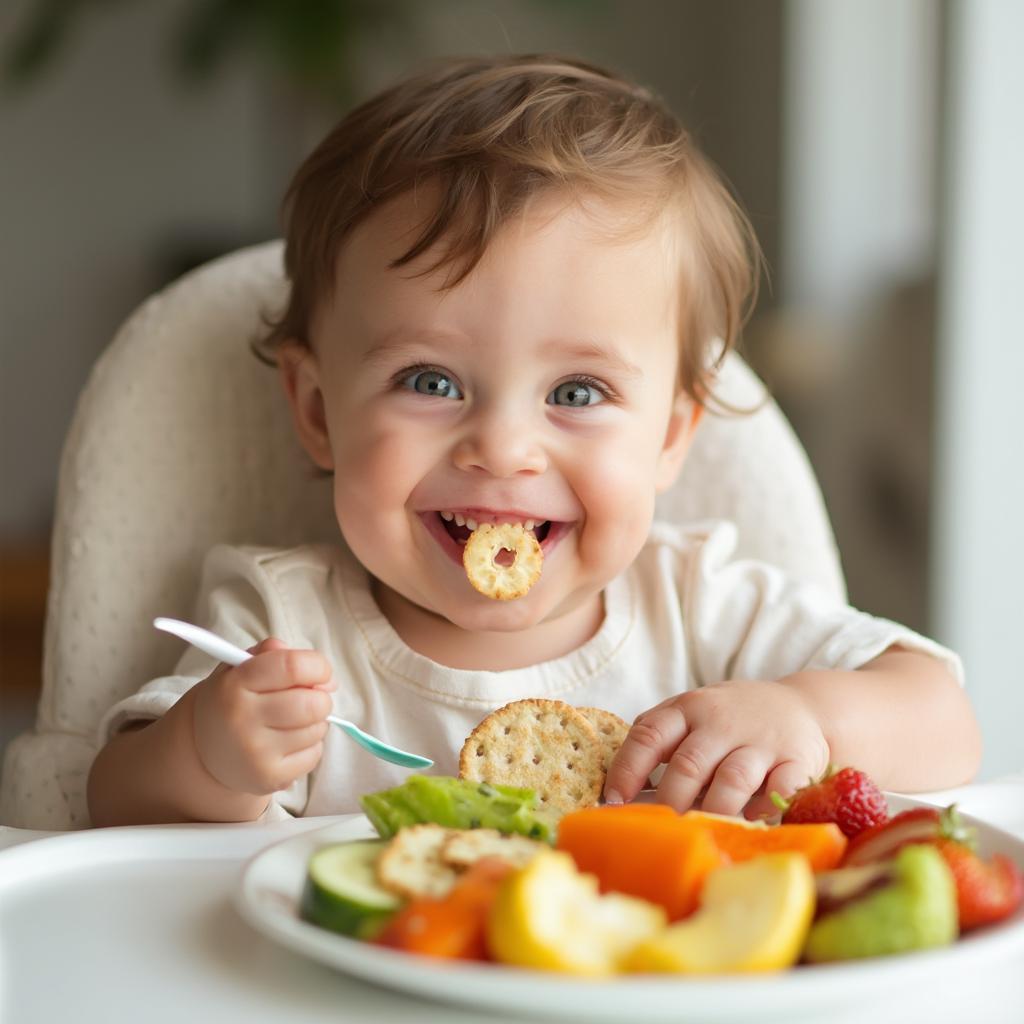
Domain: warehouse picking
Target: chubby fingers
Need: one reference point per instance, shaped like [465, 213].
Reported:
[785, 779]
[271, 643]
[649, 742]
[299, 763]
[274, 666]
[295, 708]
[290, 740]
[739, 775]
[691, 768]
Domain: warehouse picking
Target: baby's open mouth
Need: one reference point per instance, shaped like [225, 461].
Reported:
[459, 527]
[451, 528]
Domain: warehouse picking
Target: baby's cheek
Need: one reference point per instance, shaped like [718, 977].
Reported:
[373, 480]
[618, 496]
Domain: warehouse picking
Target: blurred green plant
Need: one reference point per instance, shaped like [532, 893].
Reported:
[310, 42]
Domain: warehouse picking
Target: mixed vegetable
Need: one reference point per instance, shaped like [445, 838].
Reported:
[471, 871]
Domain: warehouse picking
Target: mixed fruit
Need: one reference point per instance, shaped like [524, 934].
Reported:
[470, 871]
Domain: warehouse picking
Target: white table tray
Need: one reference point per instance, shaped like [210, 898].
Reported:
[137, 924]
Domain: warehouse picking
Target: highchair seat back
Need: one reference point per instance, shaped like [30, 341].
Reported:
[182, 440]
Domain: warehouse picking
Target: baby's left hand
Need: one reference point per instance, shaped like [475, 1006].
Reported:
[737, 739]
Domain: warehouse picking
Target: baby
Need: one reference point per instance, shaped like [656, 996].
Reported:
[511, 281]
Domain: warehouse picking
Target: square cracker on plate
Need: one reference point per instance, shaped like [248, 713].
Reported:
[611, 730]
[544, 745]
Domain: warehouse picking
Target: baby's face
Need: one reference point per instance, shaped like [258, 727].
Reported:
[540, 390]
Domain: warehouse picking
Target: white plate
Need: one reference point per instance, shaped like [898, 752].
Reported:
[271, 885]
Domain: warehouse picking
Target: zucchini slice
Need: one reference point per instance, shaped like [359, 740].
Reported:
[342, 892]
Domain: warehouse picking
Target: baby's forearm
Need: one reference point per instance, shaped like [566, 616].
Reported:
[901, 718]
[153, 775]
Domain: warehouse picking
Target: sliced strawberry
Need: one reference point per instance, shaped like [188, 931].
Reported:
[834, 889]
[985, 891]
[920, 825]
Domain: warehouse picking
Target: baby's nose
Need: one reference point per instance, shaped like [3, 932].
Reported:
[500, 445]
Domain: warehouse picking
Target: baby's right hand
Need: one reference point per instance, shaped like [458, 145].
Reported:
[260, 725]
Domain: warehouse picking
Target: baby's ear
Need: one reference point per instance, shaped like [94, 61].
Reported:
[682, 425]
[299, 371]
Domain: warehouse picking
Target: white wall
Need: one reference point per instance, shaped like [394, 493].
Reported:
[872, 198]
[855, 339]
[100, 160]
[979, 500]
[860, 96]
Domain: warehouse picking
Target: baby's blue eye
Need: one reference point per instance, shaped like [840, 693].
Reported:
[575, 393]
[432, 382]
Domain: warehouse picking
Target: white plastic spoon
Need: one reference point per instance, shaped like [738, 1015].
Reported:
[218, 647]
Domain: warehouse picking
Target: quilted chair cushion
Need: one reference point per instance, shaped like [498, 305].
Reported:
[181, 440]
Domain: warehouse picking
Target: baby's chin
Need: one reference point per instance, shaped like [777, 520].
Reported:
[474, 613]
[498, 616]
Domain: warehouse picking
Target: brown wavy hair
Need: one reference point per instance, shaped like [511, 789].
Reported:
[492, 134]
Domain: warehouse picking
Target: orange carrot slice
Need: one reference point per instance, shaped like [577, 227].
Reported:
[643, 850]
[453, 927]
[652, 810]
[822, 844]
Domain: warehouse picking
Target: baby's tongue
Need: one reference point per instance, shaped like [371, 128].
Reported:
[461, 534]
[458, 533]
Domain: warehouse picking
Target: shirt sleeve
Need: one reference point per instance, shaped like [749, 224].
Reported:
[237, 601]
[749, 620]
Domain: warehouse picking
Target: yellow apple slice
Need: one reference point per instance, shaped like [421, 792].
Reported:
[754, 916]
[550, 916]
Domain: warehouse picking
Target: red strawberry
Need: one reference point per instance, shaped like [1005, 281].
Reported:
[847, 797]
[986, 891]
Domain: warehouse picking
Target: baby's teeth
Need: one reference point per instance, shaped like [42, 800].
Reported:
[471, 525]
[459, 520]
[529, 524]
[447, 516]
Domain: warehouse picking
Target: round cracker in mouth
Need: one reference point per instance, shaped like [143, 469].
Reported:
[488, 575]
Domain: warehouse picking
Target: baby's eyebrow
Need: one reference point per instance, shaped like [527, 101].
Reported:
[395, 343]
[592, 350]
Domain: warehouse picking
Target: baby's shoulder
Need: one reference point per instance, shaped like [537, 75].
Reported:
[678, 559]
[710, 541]
[281, 568]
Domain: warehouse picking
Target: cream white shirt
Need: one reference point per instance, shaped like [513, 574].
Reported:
[683, 615]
